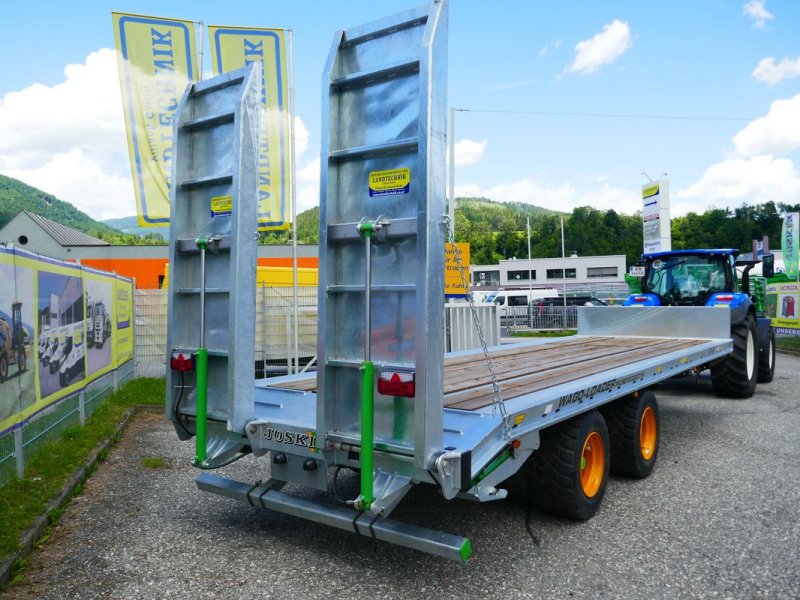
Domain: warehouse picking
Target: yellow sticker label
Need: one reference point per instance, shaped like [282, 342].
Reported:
[518, 420]
[221, 206]
[390, 182]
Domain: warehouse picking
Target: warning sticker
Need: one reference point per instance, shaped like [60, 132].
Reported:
[221, 206]
[388, 183]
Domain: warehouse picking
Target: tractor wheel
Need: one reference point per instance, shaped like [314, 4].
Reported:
[634, 430]
[3, 367]
[21, 361]
[736, 375]
[567, 475]
[766, 359]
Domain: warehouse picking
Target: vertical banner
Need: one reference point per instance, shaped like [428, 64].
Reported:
[156, 59]
[233, 48]
[655, 217]
[790, 236]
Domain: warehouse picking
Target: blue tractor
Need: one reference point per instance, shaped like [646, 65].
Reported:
[709, 278]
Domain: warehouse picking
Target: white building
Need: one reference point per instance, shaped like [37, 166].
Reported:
[574, 271]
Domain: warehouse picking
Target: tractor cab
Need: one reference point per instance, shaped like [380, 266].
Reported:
[687, 278]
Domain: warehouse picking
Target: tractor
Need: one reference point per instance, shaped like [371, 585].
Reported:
[709, 278]
[12, 342]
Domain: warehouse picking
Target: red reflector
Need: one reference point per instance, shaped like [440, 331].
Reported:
[396, 383]
[181, 361]
[640, 299]
[725, 298]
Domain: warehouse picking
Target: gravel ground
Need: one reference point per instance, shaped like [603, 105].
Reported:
[717, 518]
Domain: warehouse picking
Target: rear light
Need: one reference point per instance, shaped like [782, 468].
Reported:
[640, 299]
[181, 361]
[396, 383]
[725, 298]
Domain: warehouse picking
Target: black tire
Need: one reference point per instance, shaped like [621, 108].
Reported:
[22, 361]
[552, 477]
[63, 379]
[3, 367]
[736, 375]
[634, 428]
[766, 359]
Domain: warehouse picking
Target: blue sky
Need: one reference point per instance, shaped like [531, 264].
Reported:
[616, 73]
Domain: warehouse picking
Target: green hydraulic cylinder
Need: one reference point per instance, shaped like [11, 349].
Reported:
[202, 405]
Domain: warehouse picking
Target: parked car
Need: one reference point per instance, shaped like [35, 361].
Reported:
[550, 313]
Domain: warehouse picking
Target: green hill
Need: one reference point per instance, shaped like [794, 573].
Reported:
[16, 196]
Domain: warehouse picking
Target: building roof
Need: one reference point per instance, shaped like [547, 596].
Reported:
[66, 236]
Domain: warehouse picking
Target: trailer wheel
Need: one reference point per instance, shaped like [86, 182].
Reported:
[766, 359]
[567, 475]
[3, 367]
[736, 375]
[634, 428]
[21, 361]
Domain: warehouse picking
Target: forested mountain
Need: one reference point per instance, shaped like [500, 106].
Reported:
[497, 230]
[494, 230]
[16, 196]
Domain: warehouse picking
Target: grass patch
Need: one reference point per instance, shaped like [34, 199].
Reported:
[545, 334]
[47, 469]
[788, 343]
[155, 462]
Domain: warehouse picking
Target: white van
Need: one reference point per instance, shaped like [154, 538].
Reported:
[508, 299]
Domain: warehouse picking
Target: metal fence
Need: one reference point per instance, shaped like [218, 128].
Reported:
[540, 318]
[50, 424]
[276, 352]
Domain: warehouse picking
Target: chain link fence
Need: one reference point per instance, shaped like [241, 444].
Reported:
[50, 424]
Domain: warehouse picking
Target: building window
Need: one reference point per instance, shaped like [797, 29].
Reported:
[602, 272]
[491, 278]
[559, 274]
[520, 275]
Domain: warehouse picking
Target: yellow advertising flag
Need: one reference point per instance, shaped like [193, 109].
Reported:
[233, 48]
[156, 58]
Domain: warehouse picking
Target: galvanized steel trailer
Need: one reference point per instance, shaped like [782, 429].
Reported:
[386, 400]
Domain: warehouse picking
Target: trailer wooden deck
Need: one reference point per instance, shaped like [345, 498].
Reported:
[467, 381]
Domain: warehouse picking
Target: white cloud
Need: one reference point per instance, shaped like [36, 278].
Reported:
[564, 196]
[300, 136]
[603, 49]
[776, 133]
[549, 47]
[469, 152]
[69, 139]
[757, 179]
[772, 73]
[756, 11]
[307, 192]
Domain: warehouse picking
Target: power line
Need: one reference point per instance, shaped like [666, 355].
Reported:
[543, 113]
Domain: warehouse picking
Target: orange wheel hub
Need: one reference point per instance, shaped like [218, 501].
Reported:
[593, 464]
[648, 433]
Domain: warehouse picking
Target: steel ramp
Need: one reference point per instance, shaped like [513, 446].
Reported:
[213, 258]
[384, 102]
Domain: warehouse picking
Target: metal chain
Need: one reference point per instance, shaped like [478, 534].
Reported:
[498, 406]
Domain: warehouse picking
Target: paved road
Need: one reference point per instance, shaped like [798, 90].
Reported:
[718, 518]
